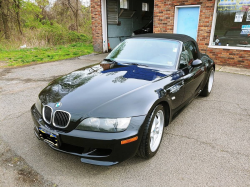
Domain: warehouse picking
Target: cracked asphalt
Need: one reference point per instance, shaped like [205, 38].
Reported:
[208, 144]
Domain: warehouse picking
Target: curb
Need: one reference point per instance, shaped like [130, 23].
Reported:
[235, 70]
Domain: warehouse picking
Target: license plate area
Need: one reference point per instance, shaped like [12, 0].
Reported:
[48, 137]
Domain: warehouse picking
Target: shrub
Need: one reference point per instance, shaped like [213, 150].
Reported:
[57, 35]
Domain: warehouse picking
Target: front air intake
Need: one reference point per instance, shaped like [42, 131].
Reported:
[61, 119]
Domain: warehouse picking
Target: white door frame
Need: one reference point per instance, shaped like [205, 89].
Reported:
[213, 23]
[104, 26]
[176, 16]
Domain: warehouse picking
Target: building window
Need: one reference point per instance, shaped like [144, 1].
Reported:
[124, 4]
[145, 7]
[232, 26]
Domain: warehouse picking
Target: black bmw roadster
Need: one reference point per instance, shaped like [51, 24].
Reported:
[110, 112]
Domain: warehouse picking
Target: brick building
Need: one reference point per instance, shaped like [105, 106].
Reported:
[221, 27]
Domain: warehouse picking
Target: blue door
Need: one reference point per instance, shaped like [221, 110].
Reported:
[187, 22]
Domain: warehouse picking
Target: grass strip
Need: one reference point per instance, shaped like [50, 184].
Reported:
[20, 57]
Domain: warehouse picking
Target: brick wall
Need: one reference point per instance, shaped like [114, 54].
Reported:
[164, 23]
[230, 57]
[96, 16]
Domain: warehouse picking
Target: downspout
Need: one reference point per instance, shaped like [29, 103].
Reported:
[104, 26]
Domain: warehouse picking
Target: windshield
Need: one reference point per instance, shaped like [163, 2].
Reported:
[147, 51]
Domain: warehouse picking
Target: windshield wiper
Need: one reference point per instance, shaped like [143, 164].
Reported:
[109, 60]
[135, 64]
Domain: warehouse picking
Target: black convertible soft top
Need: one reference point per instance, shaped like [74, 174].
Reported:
[180, 37]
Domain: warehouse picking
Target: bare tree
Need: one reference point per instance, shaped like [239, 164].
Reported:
[17, 12]
[4, 15]
[75, 11]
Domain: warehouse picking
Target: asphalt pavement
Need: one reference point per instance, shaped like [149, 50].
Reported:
[208, 144]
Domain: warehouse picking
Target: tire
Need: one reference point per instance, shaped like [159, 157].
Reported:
[152, 135]
[209, 85]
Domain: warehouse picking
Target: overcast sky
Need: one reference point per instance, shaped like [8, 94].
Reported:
[85, 2]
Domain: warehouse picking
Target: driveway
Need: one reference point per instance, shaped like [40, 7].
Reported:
[208, 144]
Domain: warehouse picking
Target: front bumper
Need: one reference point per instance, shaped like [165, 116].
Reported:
[96, 148]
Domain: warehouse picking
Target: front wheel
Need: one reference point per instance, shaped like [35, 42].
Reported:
[153, 133]
[209, 85]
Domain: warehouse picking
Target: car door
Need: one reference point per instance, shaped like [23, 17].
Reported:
[193, 76]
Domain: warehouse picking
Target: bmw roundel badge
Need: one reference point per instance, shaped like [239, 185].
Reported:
[58, 104]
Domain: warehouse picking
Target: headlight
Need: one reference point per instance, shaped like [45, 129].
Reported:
[39, 105]
[104, 124]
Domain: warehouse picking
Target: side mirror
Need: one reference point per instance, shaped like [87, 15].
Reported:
[196, 63]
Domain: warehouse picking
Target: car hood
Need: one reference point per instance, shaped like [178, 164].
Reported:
[84, 90]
